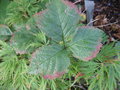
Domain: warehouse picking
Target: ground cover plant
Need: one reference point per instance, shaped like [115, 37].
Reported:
[53, 50]
[19, 11]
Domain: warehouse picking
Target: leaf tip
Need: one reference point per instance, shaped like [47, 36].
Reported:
[71, 5]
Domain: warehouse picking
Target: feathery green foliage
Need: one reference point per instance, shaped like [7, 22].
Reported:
[102, 73]
[20, 11]
[14, 72]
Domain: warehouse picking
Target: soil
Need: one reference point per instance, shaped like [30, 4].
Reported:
[107, 17]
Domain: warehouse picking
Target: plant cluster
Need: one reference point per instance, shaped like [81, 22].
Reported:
[20, 11]
[53, 43]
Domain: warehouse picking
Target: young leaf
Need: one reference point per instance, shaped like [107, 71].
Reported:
[86, 43]
[59, 20]
[23, 38]
[4, 32]
[27, 37]
[49, 61]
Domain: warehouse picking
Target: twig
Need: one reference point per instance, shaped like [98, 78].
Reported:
[77, 1]
[80, 86]
[112, 60]
[84, 11]
[107, 24]
[92, 21]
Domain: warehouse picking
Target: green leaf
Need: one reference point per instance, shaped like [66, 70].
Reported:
[86, 43]
[59, 20]
[5, 32]
[27, 37]
[49, 61]
[21, 40]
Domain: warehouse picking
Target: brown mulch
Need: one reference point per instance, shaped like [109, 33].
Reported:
[107, 17]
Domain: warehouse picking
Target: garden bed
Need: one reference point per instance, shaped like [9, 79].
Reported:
[47, 45]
